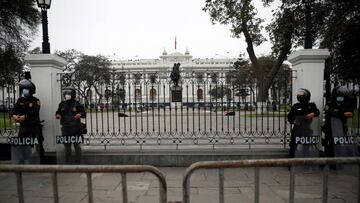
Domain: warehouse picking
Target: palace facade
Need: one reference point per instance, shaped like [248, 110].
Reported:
[148, 80]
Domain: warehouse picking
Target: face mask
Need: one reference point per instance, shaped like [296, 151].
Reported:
[67, 97]
[25, 93]
[339, 99]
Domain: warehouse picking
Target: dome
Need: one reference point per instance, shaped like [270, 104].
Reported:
[164, 52]
[187, 52]
[176, 54]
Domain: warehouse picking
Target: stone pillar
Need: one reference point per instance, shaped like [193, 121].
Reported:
[44, 74]
[308, 72]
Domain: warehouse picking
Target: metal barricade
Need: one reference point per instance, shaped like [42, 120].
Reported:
[257, 164]
[88, 170]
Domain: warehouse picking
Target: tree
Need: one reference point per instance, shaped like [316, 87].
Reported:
[10, 63]
[219, 92]
[199, 77]
[340, 33]
[85, 72]
[91, 72]
[72, 57]
[335, 25]
[285, 31]
[18, 22]
[241, 78]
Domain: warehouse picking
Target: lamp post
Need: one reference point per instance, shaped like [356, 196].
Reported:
[44, 5]
[308, 26]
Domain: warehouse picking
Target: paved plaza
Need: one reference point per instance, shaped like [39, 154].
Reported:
[144, 187]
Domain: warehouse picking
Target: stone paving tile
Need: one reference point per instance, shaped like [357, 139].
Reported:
[147, 199]
[175, 194]
[235, 198]
[8, 197]
[206, 191]
[38, 200]
[106, 181]
[72, 196]
[174, 183]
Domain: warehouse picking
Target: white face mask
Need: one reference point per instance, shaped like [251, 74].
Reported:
[25, 93]
[67, 97]
[339, 99]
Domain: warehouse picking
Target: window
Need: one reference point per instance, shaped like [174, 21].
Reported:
[152, 94]
[137, 94]
[200, 94]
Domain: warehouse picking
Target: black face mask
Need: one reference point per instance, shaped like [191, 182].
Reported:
[303, 100]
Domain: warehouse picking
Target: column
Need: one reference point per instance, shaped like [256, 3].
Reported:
[308, 72]
[44, 74]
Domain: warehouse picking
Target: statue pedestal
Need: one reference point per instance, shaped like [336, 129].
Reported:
[176, 96]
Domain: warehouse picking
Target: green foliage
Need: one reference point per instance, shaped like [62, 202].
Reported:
[72, 56]
[18, 22]
[5, 122]
[335, 25]
[241, 15]
[93, 69]
[10, 64]
[87, 71]
[241, 78]
[356, 118]
[36, 50]
[340, 33]
[219, 92]
[91, 72]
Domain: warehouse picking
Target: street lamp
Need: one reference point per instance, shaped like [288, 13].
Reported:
[308, 25]
[44, 5]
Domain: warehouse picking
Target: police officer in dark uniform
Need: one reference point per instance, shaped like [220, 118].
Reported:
[70, 113]
[302, 108]
[340, 107]
[26, 114]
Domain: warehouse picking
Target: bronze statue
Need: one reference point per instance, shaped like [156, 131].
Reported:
[175, 74]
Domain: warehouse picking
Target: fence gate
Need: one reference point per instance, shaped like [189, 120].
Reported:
[136, 109]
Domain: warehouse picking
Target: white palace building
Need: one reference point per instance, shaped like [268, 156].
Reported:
[196, 74]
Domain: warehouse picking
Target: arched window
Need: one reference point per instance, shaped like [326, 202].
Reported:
[152, 94]
[200, 94]
[89, 94]
[122, 94]
[137, 94]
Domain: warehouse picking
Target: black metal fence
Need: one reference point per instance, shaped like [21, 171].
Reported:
[8, 97]
[136, 109]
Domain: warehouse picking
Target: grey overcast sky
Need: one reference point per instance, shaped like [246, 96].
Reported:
[141, 29]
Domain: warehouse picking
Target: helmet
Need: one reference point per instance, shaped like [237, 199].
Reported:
[69, 90]
[27, 84]
[303, 95]
[340, 94]
[342, 90]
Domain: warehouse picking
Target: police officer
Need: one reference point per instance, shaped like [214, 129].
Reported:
[303, 108]
[26, 114]
[70, 112]
[340, 107]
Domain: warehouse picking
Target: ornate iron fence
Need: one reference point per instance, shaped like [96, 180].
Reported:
[136, 109]
[8, 97]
